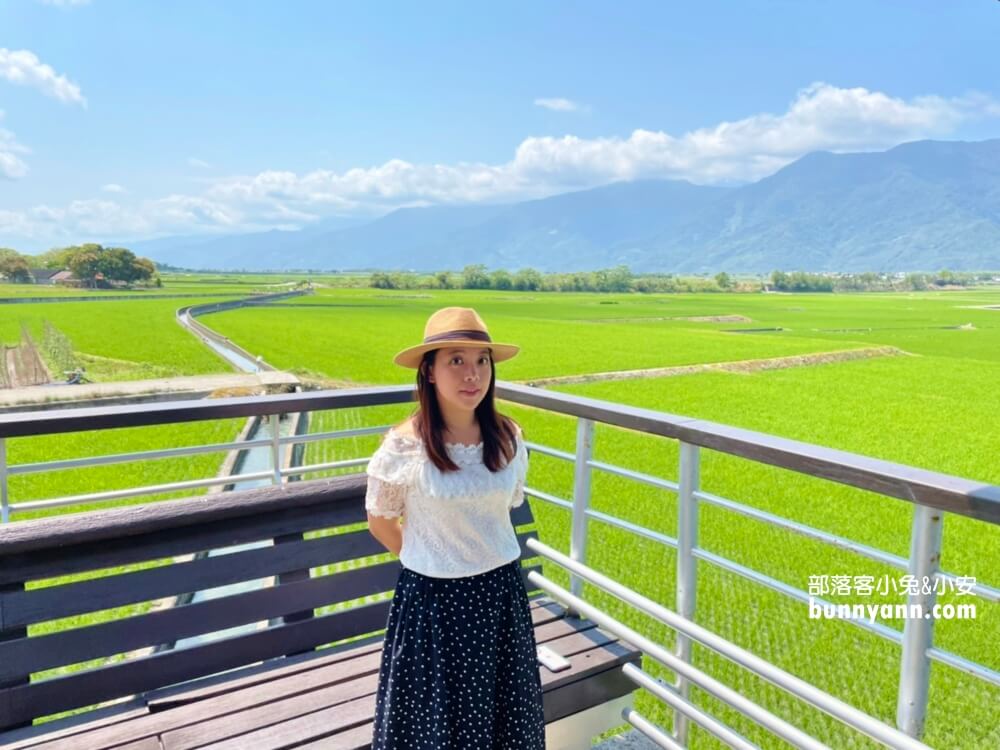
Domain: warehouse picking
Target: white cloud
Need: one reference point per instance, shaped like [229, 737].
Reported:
[24, 68]
[113, 187]
[65, 3]
[11, 165]
[558, 105]
[198, 163]
[820, 116]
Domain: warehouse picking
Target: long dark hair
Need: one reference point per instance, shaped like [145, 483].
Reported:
[498, 431]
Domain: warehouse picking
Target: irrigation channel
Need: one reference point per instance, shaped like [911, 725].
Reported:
[249, 460]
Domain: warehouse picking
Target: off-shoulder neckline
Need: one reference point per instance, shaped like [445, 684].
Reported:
[415, 439]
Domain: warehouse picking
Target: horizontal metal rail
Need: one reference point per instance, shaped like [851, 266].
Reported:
[650, 730]
[670, 696]
[118, 458]
[776, 725]
[953, 494]
[980, 589]
[887, 558]
[847, 714]
[883, 631]
[159, 489]
[919, 486]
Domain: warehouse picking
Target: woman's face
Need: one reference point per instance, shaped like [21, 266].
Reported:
[461, 377]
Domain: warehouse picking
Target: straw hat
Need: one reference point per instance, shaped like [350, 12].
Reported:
[458, 327]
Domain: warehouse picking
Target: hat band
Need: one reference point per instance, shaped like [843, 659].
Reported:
[452, 335]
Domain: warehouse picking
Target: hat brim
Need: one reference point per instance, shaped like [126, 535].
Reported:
[411, 357]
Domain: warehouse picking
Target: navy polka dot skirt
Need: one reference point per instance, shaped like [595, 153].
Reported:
[458, 667]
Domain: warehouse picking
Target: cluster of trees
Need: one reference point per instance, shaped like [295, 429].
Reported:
[621, 279]
[799, 281]
[90, 263]
[14, 266]
[617, 279]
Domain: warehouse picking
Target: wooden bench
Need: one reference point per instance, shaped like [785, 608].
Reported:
[300, 678]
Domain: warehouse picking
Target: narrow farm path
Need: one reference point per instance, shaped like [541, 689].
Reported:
[742, 366]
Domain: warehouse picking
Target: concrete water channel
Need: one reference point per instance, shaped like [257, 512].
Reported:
[245, 461]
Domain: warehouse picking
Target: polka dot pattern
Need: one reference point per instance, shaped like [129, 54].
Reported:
[458, 669]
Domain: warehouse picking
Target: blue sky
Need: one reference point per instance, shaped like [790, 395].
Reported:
[124, 119]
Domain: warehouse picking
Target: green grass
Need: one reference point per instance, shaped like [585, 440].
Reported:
[933, 410]
[118, 340]
[852, 406]
[354, 340]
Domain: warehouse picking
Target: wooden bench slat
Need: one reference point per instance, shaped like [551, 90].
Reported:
[229, 682]
[571, 698]
[28, 655]
[73, 726]
[324, 723]
[53, 557]
[21, 608]
[304, 717]
[162, 720]
[357, 738]
[573, 643]
[278, 717]
[240, 723]
[54, 561]
[189, 516]
[543, 611]
[137, 675]
[81, 597]
[613, 653]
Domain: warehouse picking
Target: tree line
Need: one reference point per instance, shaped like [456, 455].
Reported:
[90, 263]
[621, 279]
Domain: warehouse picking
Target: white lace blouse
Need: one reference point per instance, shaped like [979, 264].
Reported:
[457, 523]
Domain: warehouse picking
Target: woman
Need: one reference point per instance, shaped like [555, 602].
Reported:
[458, 668]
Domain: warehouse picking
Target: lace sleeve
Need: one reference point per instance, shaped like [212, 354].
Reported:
[391, 472]
[384, 498]
[521, 471]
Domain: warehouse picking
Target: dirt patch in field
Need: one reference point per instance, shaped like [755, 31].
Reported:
[744, 366]
[22, 365]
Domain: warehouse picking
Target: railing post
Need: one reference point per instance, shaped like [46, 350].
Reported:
[918, 633]
[4, 500]
[581, 501]
[687, 572]
[276, 457]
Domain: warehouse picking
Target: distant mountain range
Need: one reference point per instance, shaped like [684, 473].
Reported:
[925, 205]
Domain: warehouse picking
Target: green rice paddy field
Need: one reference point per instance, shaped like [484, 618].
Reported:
[934, 406]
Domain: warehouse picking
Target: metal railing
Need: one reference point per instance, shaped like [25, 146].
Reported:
[930, 493]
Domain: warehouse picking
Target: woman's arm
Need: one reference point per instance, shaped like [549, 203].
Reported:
[389, 531]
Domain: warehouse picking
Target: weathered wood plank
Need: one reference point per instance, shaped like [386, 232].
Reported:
[24, 702]
[73, 726]
[28, 655]
[32, 552]
[209, 687]
[19, 608]
[601, 687]
[296, 574]
[173, 542]
[167, 719]
[325, 723]
[245, 724]
[54, 602]
[587, 661]
[263, 710]
[115, 523]
[356, 738]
